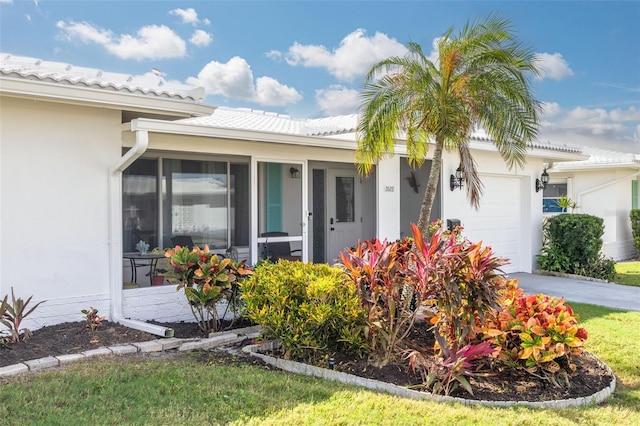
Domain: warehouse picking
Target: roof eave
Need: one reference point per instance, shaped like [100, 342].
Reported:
[547, 155]
[600, 166]
[34, 89]
[168, 127]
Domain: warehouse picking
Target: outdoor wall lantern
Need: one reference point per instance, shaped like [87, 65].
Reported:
[456, 180]
[543, 181]
[295, 172]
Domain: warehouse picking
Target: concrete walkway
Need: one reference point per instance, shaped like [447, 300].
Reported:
[582, 291]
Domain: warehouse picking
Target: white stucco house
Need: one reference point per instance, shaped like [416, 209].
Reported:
[603, 185]
[92, 162]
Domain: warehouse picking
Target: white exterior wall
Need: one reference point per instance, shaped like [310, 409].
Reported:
[161, 304]
[492, 169]
[54, 228]
[388, 198]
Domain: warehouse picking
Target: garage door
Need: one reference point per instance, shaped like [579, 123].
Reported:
[498, 222]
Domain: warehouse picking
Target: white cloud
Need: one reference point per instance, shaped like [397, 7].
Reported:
[270, 91]
[276, 55]
[201, 38]
[6, 1]
[552, 66]
[187, 16]
[615, 129]
[338, 100]
[150, 42]
[354, 57]
[84, 32]
[234, 79]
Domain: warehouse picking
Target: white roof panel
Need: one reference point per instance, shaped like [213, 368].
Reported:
[148, 84]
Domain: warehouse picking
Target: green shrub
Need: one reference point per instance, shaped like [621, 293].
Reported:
[603, 268]
[311, 308]
[635, 227]
[207, 279]
[572, 244]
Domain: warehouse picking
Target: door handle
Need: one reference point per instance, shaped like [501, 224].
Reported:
[331, 221]
[332, 228]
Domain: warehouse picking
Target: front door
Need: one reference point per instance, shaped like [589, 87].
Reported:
[344, 218]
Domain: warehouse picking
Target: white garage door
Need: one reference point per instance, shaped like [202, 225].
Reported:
[498, 222]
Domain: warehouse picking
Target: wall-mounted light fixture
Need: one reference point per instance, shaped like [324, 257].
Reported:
[295, 172]
[543, 181]
[456, 180]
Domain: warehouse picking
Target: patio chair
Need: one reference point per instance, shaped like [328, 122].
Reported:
[182, 241]
[279, 250]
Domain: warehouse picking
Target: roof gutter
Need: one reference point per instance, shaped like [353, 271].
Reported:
[115, 238]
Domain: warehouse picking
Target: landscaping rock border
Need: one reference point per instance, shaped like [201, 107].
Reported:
[159, 345]
[338, 376]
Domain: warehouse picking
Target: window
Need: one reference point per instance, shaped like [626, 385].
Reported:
[205, 200]
[550, 196]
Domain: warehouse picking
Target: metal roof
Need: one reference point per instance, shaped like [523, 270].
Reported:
[250, 119]
[150, 84]
[600, 158]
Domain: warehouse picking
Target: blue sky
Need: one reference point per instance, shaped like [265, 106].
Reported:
[307, 58]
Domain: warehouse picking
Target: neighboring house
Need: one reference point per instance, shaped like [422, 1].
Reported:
[604, 185]
[92, 162]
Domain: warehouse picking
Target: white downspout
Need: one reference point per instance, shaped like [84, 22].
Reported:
[115, 238]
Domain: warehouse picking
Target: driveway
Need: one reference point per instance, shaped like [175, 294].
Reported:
[583, 291]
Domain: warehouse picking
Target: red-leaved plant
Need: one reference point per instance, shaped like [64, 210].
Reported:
[537, 333]
[389, 291]
[13, 313]
[443, 374]
[463, 284]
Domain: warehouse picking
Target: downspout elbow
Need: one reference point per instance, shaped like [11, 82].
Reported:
[115, 231]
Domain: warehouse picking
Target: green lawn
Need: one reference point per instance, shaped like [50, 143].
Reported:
[188, 391]
[628, 273]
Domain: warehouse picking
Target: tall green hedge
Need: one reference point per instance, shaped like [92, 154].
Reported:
[572, 244]
[635, 227]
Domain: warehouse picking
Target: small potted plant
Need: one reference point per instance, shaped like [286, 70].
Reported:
[163, 271]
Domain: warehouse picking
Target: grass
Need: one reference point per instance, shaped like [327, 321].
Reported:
[628, 273]
[187, 391]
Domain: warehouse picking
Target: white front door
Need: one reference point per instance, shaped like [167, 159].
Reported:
[344, 218]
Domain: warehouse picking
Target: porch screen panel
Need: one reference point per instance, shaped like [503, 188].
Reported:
[139, 204]
[240, 213]
[195, 201]
[319, 236]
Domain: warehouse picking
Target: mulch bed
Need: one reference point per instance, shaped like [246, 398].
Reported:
[505, 385]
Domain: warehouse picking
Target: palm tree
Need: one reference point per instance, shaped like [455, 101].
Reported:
[479, 79]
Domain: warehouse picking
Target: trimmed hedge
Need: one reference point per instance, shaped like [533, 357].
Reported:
[313, 309]
[634, 215]
[572, 244]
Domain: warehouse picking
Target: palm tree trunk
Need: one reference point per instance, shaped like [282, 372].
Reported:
[432, 186]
